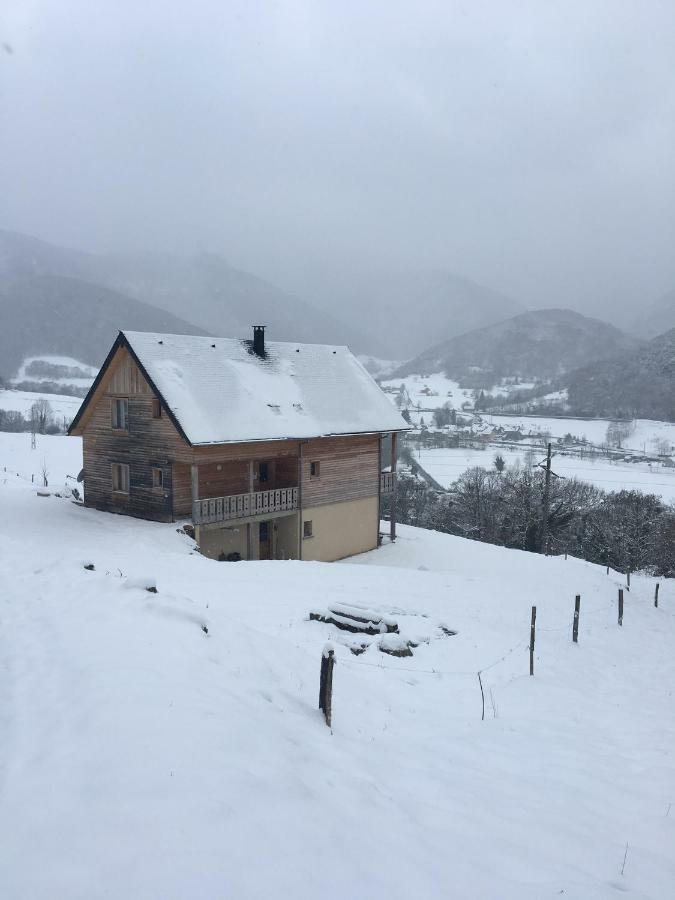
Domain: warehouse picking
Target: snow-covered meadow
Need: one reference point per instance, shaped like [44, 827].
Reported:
[645, 437]
[62, 405]
[143, 757]
[446, 465]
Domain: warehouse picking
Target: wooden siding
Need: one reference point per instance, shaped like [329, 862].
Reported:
[148, 443]
[223, 479]
[255, 450]
[349, 469]
[182, 491]
[125, 376]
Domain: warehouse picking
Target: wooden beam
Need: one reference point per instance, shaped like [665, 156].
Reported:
[300, 478]
[392, 499]
[379, 489]
[194, 478]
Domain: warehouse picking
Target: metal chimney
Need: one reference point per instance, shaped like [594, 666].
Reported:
[259, 341]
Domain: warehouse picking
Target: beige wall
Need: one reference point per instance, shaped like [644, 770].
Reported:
[341, 529]
[287, 537]
[284, 531]
[213, 542]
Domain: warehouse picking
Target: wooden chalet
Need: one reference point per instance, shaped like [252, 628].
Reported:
[272, 450]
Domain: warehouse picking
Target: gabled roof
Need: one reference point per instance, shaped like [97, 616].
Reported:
[218, 391]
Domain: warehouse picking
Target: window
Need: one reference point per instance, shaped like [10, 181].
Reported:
[307, 529]
[158, 478]
[120, 413]
[315, 469]
[263, 473]
[120, 478]
[156, 408]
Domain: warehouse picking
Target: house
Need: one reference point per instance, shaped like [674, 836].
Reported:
[272, 450]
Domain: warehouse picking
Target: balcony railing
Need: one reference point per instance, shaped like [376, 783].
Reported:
[387, 482]
[244, 506]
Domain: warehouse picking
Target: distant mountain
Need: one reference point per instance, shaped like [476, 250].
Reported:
[542, 344]
[638, 385]
[401, 313]
[203, 289]
[53, 314]
[657, 317]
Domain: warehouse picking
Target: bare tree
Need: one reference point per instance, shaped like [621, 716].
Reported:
[40, 416]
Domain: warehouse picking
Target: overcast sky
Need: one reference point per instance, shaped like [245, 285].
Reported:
[527, 145]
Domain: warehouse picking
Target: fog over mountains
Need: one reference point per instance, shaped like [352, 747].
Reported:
[61, 301]
[387, 317]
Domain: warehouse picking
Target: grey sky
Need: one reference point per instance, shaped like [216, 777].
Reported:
[527, 145]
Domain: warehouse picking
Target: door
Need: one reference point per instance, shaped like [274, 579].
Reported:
[265, 541]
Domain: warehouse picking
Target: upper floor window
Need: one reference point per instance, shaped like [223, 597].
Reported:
[315, 469]
[157, 478]
[120, 413]
[263, 472]
[156, 408]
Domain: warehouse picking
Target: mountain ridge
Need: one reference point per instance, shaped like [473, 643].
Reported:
[639, 385]
[56, 314]
[538, 344]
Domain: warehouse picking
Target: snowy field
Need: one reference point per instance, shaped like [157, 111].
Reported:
[62, 456]
[447, 464]
[83, 379]
[21, 401]
[644, 438]
[141, 757]
[432, 391]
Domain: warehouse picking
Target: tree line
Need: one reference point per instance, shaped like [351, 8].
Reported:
[39, 420]
[627, 530]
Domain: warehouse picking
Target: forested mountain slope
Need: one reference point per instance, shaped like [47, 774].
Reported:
[640, 384]
[51, 314]
[542, 344]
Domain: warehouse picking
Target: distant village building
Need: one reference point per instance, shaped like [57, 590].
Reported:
[272, 450]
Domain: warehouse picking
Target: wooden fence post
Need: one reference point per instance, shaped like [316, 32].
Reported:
[656, 594]
[326, 683]
[575, 625]
[532, 624]
[620, 606]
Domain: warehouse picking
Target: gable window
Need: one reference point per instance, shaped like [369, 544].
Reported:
[120, 478]
[307, 530]
[120, 413]
[156, 408]
[158, 478]
[315, 469]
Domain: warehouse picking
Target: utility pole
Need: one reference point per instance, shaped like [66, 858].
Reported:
[547, 502]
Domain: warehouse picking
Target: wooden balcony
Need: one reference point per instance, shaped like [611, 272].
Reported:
[244, 506]
[387, 482]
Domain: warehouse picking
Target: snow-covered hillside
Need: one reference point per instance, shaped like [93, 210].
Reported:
[64, 370]
[142, 756]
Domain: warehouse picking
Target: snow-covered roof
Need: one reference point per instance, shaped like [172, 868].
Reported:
[219, 391]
